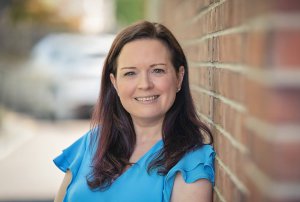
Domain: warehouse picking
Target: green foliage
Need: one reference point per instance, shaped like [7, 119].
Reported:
[21, 11]
[18, 11]
[129, 11]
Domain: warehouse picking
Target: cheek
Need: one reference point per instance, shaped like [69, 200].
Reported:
[169, 86]
[124, 90]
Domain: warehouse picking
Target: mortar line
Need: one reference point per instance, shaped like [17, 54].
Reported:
[272, 78]
[240, 68]
[270, 187]
[233, 177]
[238, 106]
[203, 12]
[221, 197]
[273, 133]
[266, 22]
[239, 146]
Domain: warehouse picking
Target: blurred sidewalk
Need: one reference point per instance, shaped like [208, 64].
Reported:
[27, 147]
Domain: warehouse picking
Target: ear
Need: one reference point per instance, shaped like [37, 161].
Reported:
[113, 81]
[180, 76]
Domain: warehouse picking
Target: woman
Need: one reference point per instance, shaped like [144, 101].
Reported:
[146, 141]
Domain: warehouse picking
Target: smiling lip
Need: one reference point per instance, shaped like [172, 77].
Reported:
[147, 99]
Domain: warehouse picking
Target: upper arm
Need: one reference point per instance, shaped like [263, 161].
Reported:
[63, 187]
[200, 190]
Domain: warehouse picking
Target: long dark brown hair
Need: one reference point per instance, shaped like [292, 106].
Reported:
[182, 130]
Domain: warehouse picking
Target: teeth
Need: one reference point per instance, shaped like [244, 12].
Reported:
[145, 99]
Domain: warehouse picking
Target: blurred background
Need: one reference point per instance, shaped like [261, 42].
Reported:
[244, 69]
[51, 56]
[49, 48]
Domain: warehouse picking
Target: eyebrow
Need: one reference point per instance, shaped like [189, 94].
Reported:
[153, 65]
[124, 68]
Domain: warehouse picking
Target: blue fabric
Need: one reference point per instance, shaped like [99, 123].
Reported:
[135, 184]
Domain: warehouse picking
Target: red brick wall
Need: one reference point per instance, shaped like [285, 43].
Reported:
[244, 59]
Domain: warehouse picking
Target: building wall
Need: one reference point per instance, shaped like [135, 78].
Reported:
[244, 60]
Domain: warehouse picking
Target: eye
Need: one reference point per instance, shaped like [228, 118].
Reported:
[158, 71]
[129, 73]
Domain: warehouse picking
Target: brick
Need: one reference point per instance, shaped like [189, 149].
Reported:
[222, 19]
[224, 183]
[192, 52]
[205, 78]
[287, 5]
[240, 161]
[279, 161]
[216, 197]
[257, 195]
[238, 195]
[194, 75]
[218, 109]
[221, 146]
[255, 49]
[231, 13]
[230, 156]
[286, 48]
[228, 48]
[256, 8]
[228, 118]
[202, 77]
[229, 84]
[256, 99]
[204, 26]
[200, 5]
[237, 12]
[286, 158]
[275, 105]
[203, 103]
[187, 6]
[284, 105]
[200, 52]
[226, 186]
[192, 30]
[242, 137]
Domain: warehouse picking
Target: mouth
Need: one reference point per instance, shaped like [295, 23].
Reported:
[147, 99]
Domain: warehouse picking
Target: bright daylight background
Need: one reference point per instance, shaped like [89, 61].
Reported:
[244, 70]
[51, 59]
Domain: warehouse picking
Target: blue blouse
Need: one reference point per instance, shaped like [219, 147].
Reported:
[135, 184]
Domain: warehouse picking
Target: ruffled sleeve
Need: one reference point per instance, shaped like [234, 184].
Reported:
[71, 157]
[195, 165]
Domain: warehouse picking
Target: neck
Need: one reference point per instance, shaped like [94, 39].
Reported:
[147, 131]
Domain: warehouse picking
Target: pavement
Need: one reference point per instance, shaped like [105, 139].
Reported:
[27, 148]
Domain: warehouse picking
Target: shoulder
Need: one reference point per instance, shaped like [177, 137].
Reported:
[193, 166]
[195, 177]
[203, 155]
[71, 157]
[182, 191]
[196, 164]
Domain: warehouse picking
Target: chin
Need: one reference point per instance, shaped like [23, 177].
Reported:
[149, 117]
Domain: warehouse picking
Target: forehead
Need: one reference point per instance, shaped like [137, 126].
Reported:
[144, 51]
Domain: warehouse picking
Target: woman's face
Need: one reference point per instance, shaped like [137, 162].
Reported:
[146, 80]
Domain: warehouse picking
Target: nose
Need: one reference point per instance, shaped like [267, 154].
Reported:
[145, 81]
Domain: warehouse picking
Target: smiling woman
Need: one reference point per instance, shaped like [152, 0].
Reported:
[146, 80]
[146, 142]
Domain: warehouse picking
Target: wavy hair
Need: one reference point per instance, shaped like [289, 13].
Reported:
[182, 129]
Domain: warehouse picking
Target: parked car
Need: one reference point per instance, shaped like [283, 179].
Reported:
[62, 78]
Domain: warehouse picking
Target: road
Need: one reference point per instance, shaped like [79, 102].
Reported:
[27, 147]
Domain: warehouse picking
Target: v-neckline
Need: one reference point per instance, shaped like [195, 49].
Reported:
[147, 152]
[137, 163]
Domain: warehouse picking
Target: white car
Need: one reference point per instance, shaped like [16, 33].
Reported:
[63, 78]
